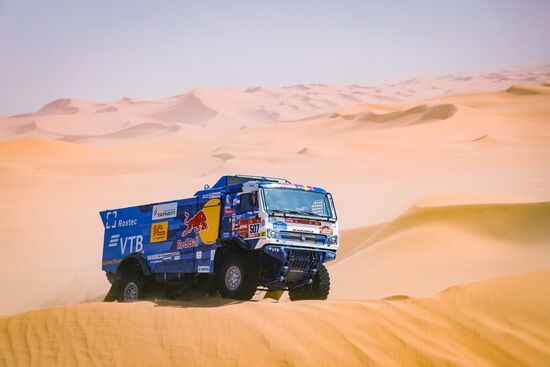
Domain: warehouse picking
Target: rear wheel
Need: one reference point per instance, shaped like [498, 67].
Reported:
[319, 289]
[238, 277]
[130, 287]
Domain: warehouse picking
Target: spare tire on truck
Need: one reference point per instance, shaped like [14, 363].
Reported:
[238, 277]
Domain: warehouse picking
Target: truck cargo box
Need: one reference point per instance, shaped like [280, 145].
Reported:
[175, 237]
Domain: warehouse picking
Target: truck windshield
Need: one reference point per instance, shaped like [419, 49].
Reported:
[300, 202]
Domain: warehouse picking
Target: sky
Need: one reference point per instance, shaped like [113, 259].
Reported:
[103, 50]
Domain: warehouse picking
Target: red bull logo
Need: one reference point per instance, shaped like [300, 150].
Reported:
[197, 223]
[190, 242]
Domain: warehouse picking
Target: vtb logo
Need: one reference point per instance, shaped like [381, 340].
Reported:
[133, 243]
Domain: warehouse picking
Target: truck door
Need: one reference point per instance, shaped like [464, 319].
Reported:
[248, 220]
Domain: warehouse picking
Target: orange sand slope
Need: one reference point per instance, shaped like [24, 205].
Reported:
[499, 322]
[431, 248]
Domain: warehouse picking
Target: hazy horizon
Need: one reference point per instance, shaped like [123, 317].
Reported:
[102, 51]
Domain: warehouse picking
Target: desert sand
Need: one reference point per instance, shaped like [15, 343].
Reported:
[503, 322]
[437, 182]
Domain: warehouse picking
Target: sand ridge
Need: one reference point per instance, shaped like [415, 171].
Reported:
[428, 249]
[497, 322]
[232, 109]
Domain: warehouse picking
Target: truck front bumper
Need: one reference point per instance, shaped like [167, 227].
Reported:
[288, 267]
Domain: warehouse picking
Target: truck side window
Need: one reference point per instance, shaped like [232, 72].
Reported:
[249, 203]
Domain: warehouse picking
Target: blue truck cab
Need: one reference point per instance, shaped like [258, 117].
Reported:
[243, 234]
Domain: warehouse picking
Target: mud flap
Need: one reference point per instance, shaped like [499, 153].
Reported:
[111, 296]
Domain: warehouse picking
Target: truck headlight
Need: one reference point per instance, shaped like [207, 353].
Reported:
[273, 234]
[332, 240]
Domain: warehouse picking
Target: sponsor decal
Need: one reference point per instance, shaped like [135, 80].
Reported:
[279, 225]
[249, 227]
[303, 221]
[164, 211]
[228, 211]
[188, 243]
[198, 255]
[132, 243]
[197, 223]
[113, 222]
[212, 195]
[127, 223]
[113, 241]
[203, 269]
[111, 219]
[157, 258]
[325, 230]
[159, 232]
[153, 259]
[212, 254]
[112, 262]
[262, 233]
[205, 222]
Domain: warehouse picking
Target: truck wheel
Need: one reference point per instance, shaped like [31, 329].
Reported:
[130, 288]
[319, 289]
[238, 278]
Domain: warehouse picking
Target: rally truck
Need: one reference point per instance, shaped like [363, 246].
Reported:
[245, 233]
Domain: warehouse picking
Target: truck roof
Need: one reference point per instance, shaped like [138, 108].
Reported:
[240, 179]
[236, 182]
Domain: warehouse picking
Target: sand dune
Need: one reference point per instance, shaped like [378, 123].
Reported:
[140, 130]
[494, 145]
[436, 184]
[189, 109]
[498, 322]
[409, 116]
[67, 106]
[59, 169]
[431, 248]
[233, 109]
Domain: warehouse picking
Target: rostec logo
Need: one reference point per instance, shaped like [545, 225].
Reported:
[163, 211]
[132, 243]
[111, 220]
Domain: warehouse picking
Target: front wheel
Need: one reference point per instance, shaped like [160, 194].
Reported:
[319, 289]
[238, 277]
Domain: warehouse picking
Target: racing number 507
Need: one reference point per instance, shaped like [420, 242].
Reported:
[254, 228]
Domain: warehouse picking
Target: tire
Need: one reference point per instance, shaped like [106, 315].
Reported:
[238, 277]
[318, 290]
[130, 288]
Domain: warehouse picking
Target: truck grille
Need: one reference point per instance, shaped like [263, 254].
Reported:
[302, 259]
[317, 239]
